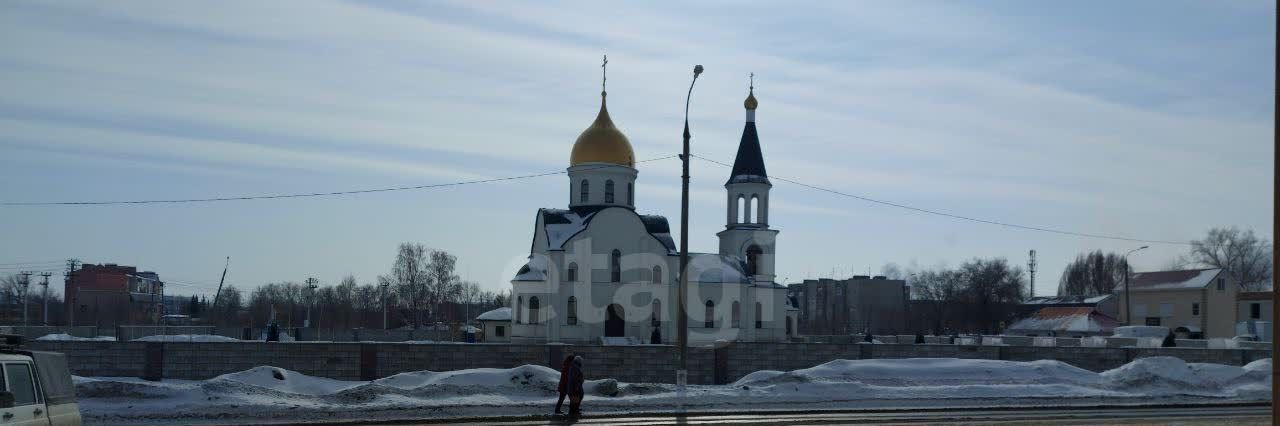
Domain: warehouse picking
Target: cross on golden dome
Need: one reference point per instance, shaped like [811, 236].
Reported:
[602, 142]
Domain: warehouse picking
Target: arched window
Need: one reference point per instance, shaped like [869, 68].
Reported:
[741, 217]
[753, 259]
[584, 189]
[533, 310]
[615, 267]
[657, 274]
[608, 191]
[657, 312]
[631, 198]
[760, 211]
[736, 315]
[709, 318]
[573, 310]
[571, 275]
[759, 315]
[519, 308]
[755, 208]
[751, 206]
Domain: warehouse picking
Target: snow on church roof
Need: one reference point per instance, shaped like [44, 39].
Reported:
[716, 268]
[561, 225]
[535, 270]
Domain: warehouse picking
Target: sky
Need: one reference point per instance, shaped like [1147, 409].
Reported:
[1138, 119]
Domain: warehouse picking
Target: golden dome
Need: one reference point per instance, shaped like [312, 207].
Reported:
[602, 143]
[751, 101]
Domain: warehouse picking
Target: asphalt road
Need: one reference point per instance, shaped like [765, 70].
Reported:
[1183, 415]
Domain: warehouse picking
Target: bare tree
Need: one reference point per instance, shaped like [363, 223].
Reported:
[13, 291]
[994, 291]
[935, 290]
[502, 299]
[229, 305]
[471, 294]
[411, 280]
[344, 295]
[1243, 255]
[1177, 263]
[981, 295]
[443, 284]
[1092, 274]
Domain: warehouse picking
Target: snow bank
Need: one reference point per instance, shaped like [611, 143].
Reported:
[933, 378]
[63, 337]
[200, 338]
[270, 392]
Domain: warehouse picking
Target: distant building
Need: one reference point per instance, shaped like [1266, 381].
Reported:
[108, 295]
[1197, 303]
[855, 305]
[1064, 321]
[1254, 305]
[496, 325]
[1106, 304]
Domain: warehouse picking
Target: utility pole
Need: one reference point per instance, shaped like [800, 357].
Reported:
[223, 280]
[384, 286]
[682, 323]
[26, 285]
[1031, 266]
[70, 301]
[311, 286]
[45, 296]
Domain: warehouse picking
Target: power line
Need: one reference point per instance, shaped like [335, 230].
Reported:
[32, 262]
[530, 176]
[957, 216]
[53, 268]
[297, 195]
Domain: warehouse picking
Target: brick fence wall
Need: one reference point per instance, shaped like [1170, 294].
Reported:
[725, 364]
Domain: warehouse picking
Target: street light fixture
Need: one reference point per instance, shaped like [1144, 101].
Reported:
[682, 322]
[1128, 302]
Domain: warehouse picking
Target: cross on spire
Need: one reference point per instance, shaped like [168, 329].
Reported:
[752, 85]
[604, 73]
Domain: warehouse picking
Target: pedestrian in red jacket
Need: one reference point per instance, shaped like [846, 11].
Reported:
[564, 382]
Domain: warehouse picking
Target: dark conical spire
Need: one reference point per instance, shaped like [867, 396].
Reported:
[748, 166]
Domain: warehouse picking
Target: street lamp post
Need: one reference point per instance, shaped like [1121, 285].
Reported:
[1128, 302]
[682, 320]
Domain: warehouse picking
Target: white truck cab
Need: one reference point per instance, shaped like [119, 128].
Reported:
[35, 387]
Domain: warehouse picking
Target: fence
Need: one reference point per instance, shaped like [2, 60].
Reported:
[35, 331]
[640, 363]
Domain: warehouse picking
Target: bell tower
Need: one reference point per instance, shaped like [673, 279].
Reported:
[747, 233]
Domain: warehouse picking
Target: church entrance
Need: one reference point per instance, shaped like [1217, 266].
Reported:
[614, 325]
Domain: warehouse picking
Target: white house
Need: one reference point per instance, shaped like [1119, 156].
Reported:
[599, 268]
[496, 325]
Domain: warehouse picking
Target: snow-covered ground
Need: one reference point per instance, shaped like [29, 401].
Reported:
[64, 337]
[269, 393]
[205, 338]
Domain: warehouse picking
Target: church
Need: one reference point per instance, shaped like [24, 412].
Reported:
[599, 271]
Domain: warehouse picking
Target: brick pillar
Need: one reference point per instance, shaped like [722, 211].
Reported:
[720, 374]
[153, 362]
[555, 356]
[368, 361]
